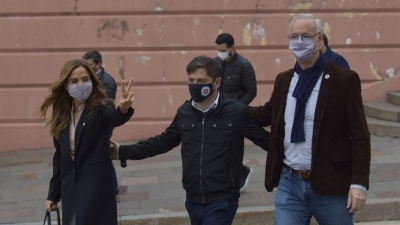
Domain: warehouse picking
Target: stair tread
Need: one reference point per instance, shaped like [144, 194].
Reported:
[383, 106]
[397, 93]
[371, 120]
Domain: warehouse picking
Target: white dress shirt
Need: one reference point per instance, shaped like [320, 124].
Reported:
[298, 155]
[72, 127]
[212, 106]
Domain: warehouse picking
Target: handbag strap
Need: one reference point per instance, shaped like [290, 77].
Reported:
[47, 217]
[58, 217]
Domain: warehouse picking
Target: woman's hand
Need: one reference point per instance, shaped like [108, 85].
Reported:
[126, 97]
[51, 206]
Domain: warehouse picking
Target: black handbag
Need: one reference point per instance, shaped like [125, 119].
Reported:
[47, 218]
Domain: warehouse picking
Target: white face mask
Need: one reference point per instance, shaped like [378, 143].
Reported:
[224, 55]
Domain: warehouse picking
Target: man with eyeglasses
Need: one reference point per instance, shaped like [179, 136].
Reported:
[320, 155]
[238, 82]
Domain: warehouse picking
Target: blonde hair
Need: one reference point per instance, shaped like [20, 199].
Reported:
[61, 102]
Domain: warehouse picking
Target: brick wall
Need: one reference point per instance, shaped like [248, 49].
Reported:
[153, 41]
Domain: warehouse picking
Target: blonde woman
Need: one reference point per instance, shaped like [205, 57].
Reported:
[80, 124]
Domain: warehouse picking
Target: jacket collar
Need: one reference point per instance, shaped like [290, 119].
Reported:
[235, 55]
[216, 109]
[64, 137]
[324, 91]
[100, 73]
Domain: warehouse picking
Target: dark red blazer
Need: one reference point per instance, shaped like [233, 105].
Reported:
[341, 150]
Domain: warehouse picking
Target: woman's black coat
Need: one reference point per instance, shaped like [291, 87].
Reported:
[85, 185]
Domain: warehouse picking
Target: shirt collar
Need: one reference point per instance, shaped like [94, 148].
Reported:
[212, 106]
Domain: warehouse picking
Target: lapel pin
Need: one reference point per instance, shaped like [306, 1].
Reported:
[327, 76]
[84, 124]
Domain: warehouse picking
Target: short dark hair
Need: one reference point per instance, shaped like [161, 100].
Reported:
[95, 55]
[325, 38]
[225, 38]
[213, 67]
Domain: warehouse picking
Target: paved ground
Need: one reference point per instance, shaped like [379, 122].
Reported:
[153, 186]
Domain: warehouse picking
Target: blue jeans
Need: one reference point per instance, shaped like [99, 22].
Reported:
[296, 202]
[221, 213]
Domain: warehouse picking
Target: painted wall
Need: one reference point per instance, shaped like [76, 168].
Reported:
[153, 41]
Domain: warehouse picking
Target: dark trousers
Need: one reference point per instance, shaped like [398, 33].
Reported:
[221, 213]
[73, 220]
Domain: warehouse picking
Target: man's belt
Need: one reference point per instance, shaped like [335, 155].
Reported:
[303, 174]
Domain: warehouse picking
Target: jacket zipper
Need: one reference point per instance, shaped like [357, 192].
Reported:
[201, 161]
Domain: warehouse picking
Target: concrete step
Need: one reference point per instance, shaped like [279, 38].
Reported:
[393, 97]
[382, 110]
[376, 210]
[383, 127]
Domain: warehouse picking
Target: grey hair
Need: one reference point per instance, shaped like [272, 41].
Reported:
[318, 23]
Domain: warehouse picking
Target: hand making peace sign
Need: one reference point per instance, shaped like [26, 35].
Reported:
[127, 97]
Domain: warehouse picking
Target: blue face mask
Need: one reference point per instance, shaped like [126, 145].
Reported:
[199, 92]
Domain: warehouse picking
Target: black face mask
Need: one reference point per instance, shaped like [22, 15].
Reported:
[199, 92]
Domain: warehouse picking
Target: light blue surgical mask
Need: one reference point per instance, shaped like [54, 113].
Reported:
[302, 48]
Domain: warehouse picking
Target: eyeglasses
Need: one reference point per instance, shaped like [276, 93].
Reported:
[295, 37]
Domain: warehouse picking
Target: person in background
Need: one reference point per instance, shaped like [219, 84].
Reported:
[320, 156]
[333, 57]
[212, 129]
[94, 59]
[80, 124]
[238, 81]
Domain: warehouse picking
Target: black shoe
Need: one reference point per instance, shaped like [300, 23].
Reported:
[246, 172]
